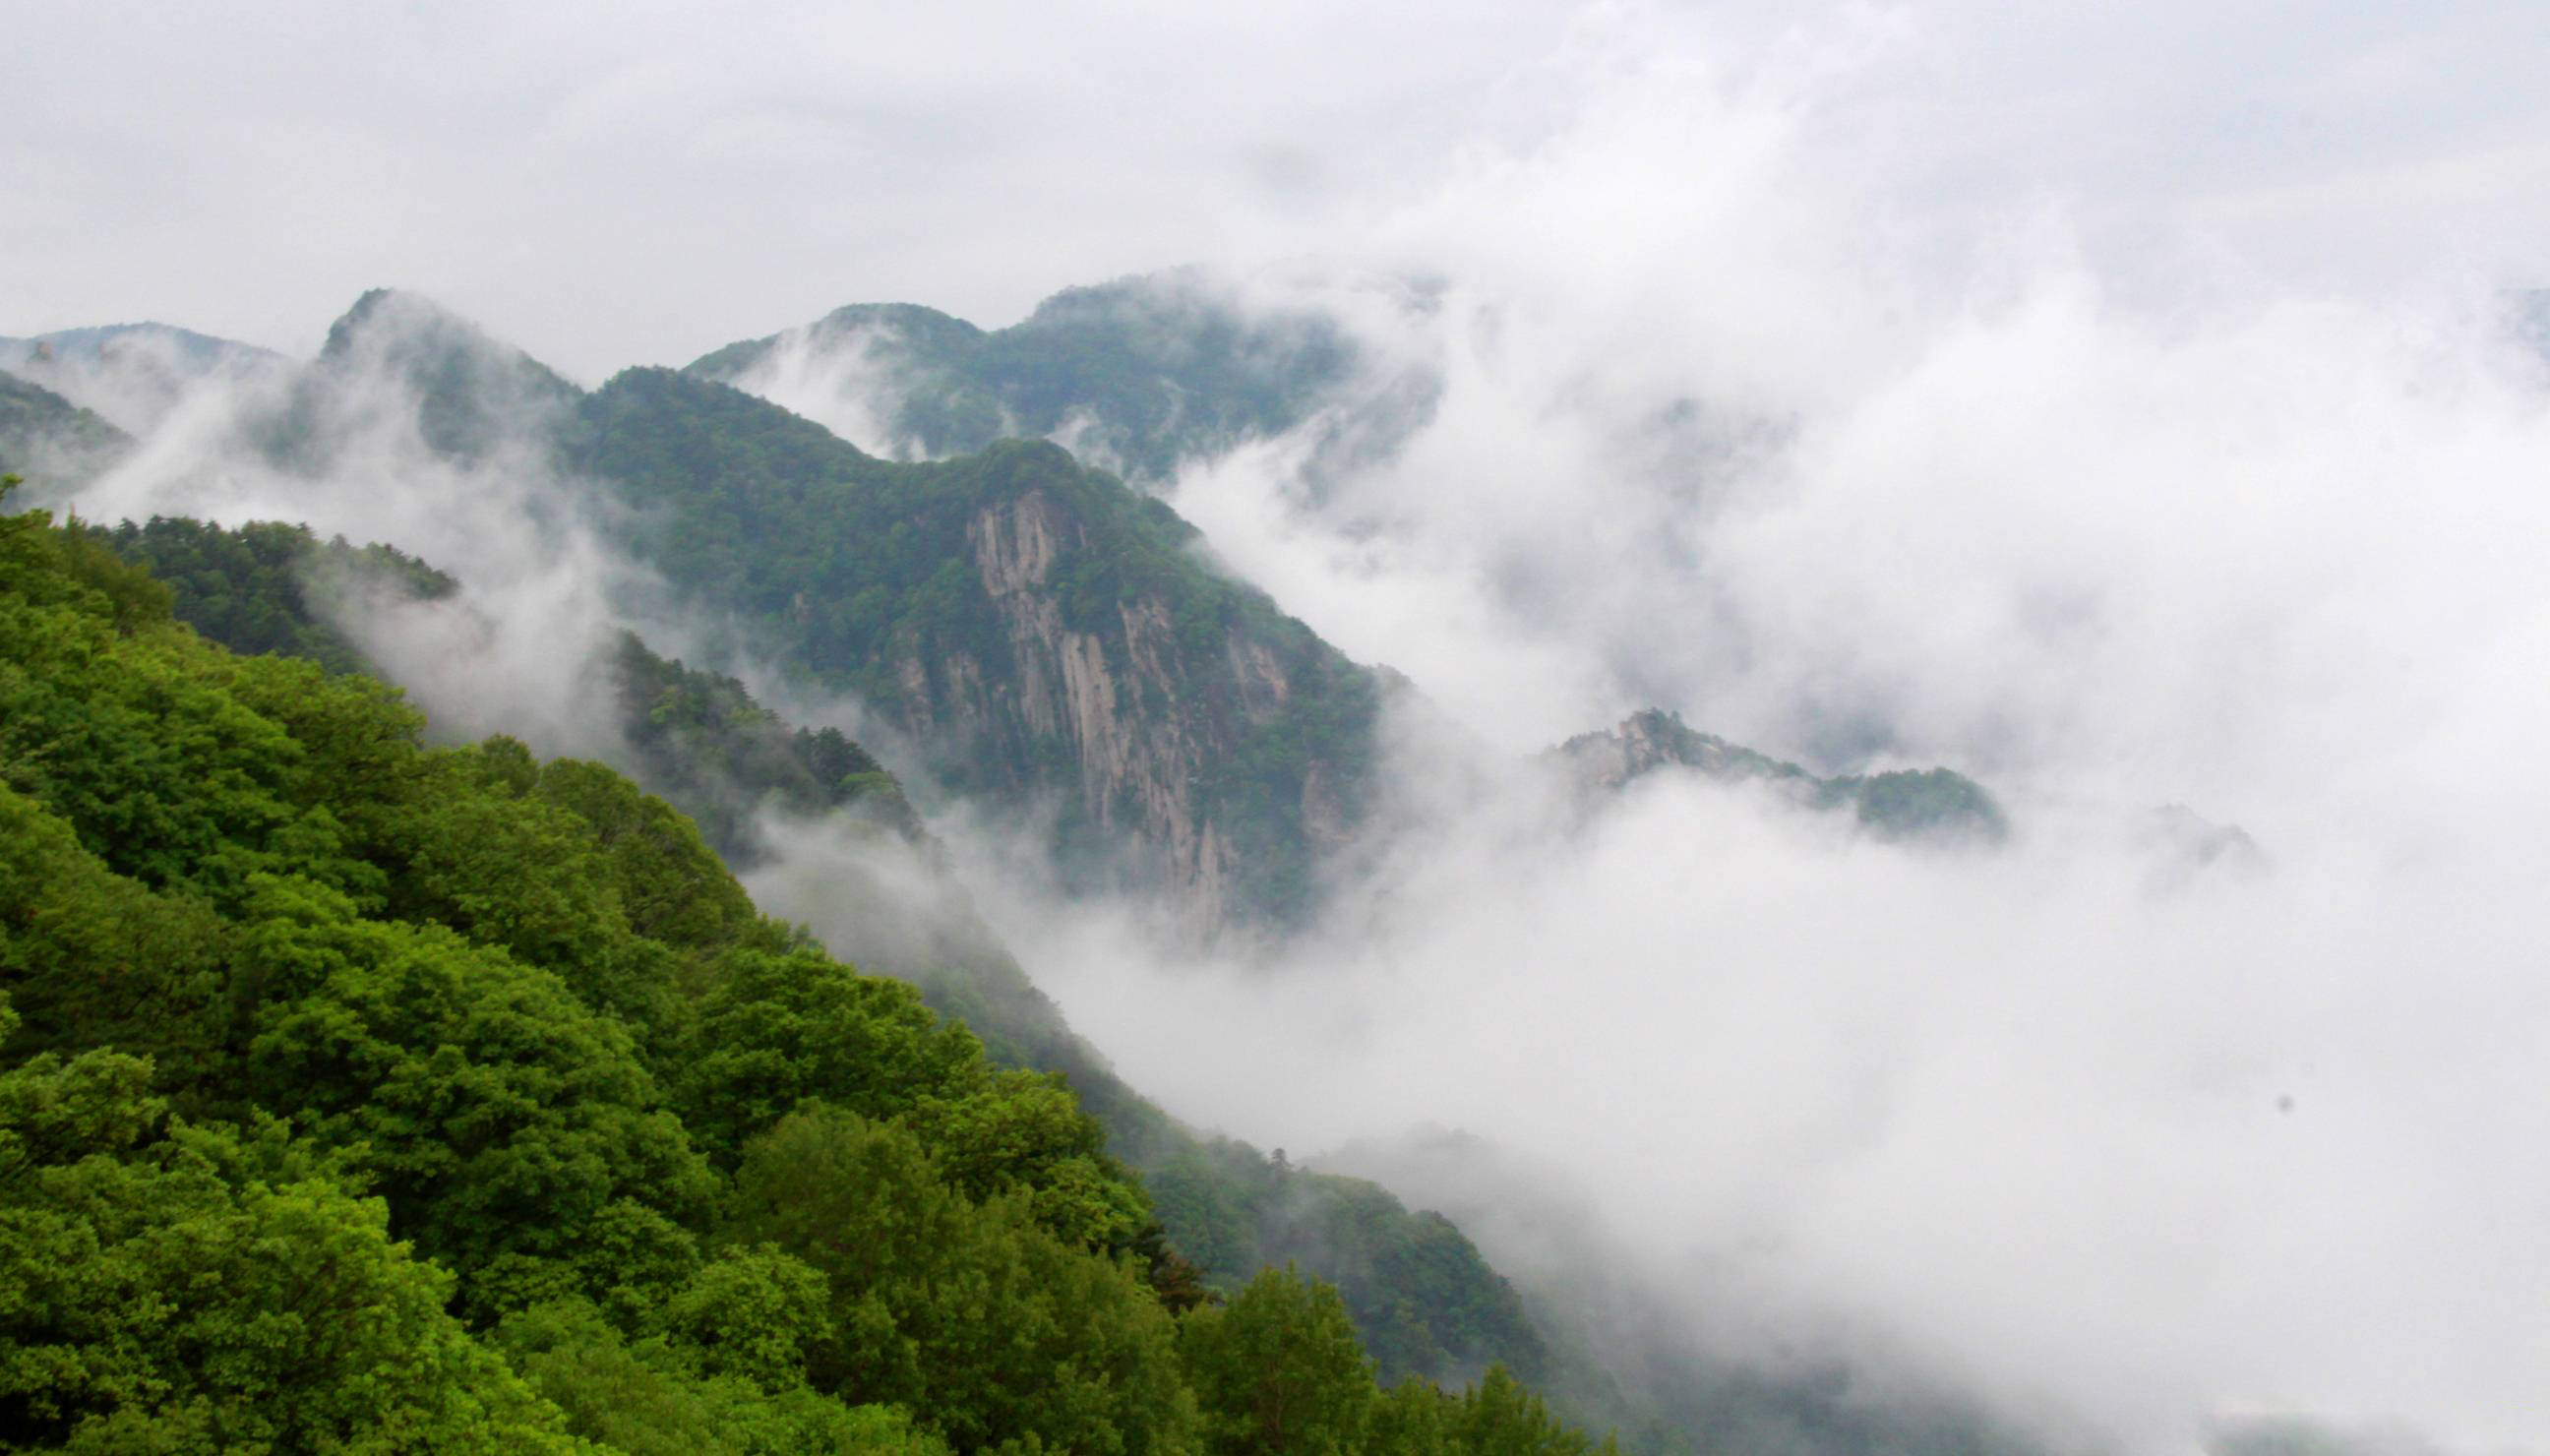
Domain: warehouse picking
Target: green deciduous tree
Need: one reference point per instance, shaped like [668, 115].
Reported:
[1278, 1370]
[985, 1326]
[157, 1295]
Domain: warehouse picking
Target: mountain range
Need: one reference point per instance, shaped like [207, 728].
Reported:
[1032, 637]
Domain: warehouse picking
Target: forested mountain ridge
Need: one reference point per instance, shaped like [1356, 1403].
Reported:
[1047, 642]
[1136, 374]
[269, 587]
[1038, 631]
[365, 1095]
[771, 523]
[1043, 640]
[1423, 1299]
[399, 361]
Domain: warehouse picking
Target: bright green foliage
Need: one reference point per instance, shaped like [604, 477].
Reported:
[1427, 1303]
[1498, 1417]
[755, 1313]
[512, 1127]
[968, 1311]
[1024, 1129]
[1278, 1370]
[93, 957]
[264, 587]
[477, 847]
[1411, 1418]
[653, 1396]
[697, 738]
[776, 1029]
[523, 1009]
[671, 888]
[155, 1295]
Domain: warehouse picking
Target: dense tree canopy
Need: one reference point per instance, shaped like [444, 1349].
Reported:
[372, 1097]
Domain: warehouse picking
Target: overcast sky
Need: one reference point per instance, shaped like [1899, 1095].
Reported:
[618, 183]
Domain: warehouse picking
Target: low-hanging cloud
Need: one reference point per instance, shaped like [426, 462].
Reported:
[2126, 1147]
[1728, 421]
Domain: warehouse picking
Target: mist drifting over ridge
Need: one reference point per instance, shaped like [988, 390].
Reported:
[1727, 422]
[2113, 1145]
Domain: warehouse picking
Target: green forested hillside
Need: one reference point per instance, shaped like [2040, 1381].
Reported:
[259, 588]
[1044, 637]
[1424, 1300]
[700, 740]
[1140, 372]
[369, 1097]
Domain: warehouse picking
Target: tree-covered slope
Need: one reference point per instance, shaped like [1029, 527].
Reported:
[396, 362]
[1135, 374]
[268, 587]
[1044, 635]
[1425, 1300]
[365, 1095]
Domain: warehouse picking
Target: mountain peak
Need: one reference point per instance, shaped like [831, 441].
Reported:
[471, 390]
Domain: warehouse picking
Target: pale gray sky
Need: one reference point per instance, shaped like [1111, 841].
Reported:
[616, 183]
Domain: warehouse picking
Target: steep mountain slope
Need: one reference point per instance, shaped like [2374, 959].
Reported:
[396, 358]
[1135, 374]
[1044, 641]
[1042, 635]
[1423, 1299]
[502, 1121]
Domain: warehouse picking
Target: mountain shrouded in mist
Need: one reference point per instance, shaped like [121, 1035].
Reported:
[1424, 1302]
[52, 441]
[1135, 375]
[1798, 730]
[1030, 743]
[1044, 639]
[364, 1094]
[1894, 804]
[982, 608]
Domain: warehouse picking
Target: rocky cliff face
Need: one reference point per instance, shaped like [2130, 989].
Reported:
[1134, 719]
[1112, 701]
[1050, 642]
